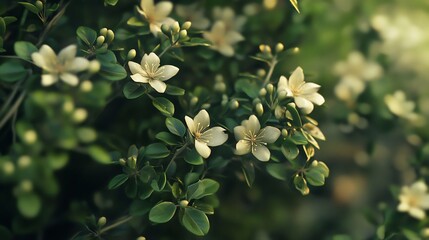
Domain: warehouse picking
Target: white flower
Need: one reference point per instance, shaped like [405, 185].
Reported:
[157, 14]
[349, 88]
[222, 39]
[251, 138]
[193, 14]
[398, 105]
[204, 136]
[227, 16]
[64, 66]
[356, 65]
[150, 72]
[304, 94]
[414, 200]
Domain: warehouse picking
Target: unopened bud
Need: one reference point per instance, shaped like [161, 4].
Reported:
[30, 136]
[184, 203]
[259, 109]
[103, 32]
[279, 47]
[279, 112]
[194, 101]
[8, 168]
[39, 5]
[265, 48]
[86, 86]
[262, 92]
[234, 104]
[270, 88]
[284, 132]
[100, 41]
[261, 72]
[102, 221]
[220, 87]
[94, 66]
[79, 115]
[165, 29]
[183, 34]
[315, 163]
[122, 162]
[24, 161]
[295, 50]
[282, 95]
[186, 25]
[175, 27]
[110, 36]
[132, 162]
[131, 54]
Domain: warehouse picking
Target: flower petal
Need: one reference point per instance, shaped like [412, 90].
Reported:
[202, 149]
[69, 78]
[215, 136]
[77, 65]
[242, 147]
[315, 98]
[67, 54]
[158, 85]
[239, 132]
[150, 63]
[417, 213]
[202, 120]
[305, 105]
[136, 68]
[252, 125]
[309, 88]
[49, 56]
[39, 60]
[282, 85]
[233, 37]
[419, 187]
[162, 10]
[139, 78]
[296, 79]
[166, 72]
[148, 7]
[261, 153]
[190, 124]
[225, 49]
[269, 134]
[49, 79]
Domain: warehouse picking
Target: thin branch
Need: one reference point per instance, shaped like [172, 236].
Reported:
[116, 224]
[13, 109]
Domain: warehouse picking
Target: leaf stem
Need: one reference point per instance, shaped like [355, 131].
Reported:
[176, 154]
[119, 222]
[13, 109]
[272, 65]
[168, 48]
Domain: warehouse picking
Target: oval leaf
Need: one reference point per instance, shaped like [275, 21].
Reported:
[195, 221]
[162, 212]
[29, 205]
[175, 126]
[117, 181]
[164, 106]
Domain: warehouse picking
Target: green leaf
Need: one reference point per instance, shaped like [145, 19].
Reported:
[112, 72]
[159, 182]
[147, 173]
[57, 161]
[193, 158]
[298, 138]
[133, 151]
[175, 126]
[87, 35]
[195, 221]
[301, 184]
[195, 190]
[133, 21]
[2, 27]
[117, 181]
[248, 171]
[174, 91]
[133, 90]
[106, 57]
[277, 171]
[12, 71]
[29, 205]
[206, 208]
[290, 151]
[157, 150]
[295, 4]
[99, 154]
[164, 106]
[111, 2]
[197, 42]
[162, 212]
[9, 19]
[296, 119]
[250, 88]
[145, 191]
[30, 7]
[210, 187]
[139, 208]
[167, 138]
[316, 173]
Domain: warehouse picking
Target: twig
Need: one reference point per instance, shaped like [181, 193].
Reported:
[116, 224]
[13, 109]
[176, 154]
[270, 71]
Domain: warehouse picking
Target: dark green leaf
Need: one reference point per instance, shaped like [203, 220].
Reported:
[159, 182]
[117, 181]
[12, 71]
[30, 7]
[157, 150]
[195, 190]
[162, 212]
[195, 221]
[192, 157]
[301, 185]
[250, 88]
[147, 173]
[175, 126]
[277, 171]
[296, 119]
[139, 208]
[206, 208]
[164, 106]
[290, 151]
[111, 2]
[174, 91]
[2, 27]
[9, 19]
[99, 154]
[168, 138]
[112, 72]
[87, 35]
[248, 171]
[145, 191]
[210, 187]
[298, 138]
[133, 90]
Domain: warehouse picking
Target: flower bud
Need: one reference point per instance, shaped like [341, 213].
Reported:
[79, 115]
[141, 238]
[131, 54]
[280, 47]
[234, 104]
[102, 221]
[165, 29]
[295, 50]
[284, 132]
[270, 88]
[86, 86]
[183, 34]
[100, 41]
[122, 162]
[282, 95]
[186, 25]
[184, 203]
[26, 186]
[315, 163]
[279, 112]
[30, 136]
[39, 5]
[110, 36]
[256, 101]
[175, 27]
[261, 72]
[220, 87]
[194, 101]
[24, 161]
[262, 92]
[103, 32]
[8, 168]
[132, 162]
[259, 109]
[94, 66]
[265, 49]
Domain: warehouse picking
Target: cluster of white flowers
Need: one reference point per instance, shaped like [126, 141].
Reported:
[354, 72]
[156, 15]
[304, 94]
[149, 71]
[225, 31]
[414, 200]
[193, 14]
[63, 66]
